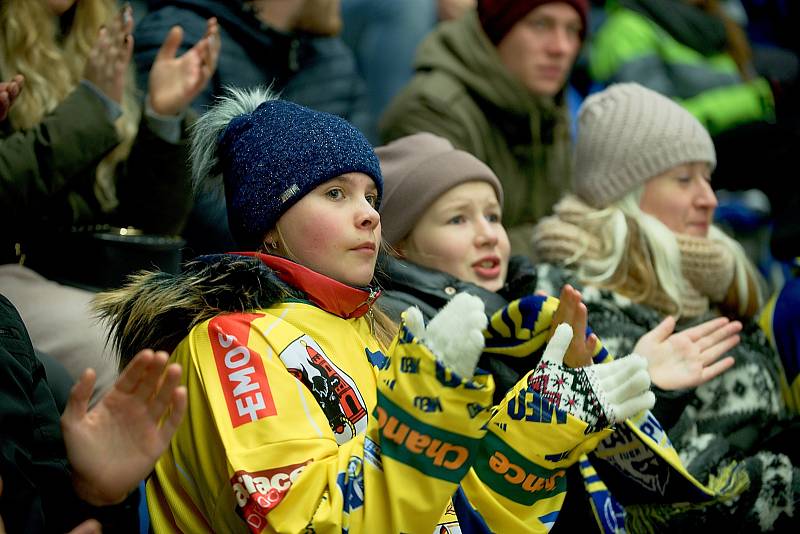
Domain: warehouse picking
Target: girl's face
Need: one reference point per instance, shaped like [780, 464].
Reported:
[682, 199]
[59, 7]
[334, 230]
[461, 234]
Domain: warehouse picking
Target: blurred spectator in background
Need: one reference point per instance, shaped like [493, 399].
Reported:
[385, 34]
[492, 83]
[774, 22]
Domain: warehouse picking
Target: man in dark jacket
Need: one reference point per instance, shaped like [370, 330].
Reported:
[288, 44]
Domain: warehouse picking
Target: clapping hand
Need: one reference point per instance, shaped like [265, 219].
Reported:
[600, 395]
[691, 357]
[572, 310]
[108, 61]
[176, 81]
[113, 446]
[9, 91]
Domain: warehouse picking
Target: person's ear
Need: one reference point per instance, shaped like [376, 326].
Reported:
[271, 243]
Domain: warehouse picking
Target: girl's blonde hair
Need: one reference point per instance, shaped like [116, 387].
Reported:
[32, 44]
[636, 244]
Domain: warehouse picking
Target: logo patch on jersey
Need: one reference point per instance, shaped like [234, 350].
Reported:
[258, 493]
[335, 392]
[351, 484]
[241, 371]
[516, 477]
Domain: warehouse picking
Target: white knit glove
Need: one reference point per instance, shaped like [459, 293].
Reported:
[600, 395]
[454, 335]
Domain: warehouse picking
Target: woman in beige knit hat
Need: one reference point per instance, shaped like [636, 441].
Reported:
[638, 232]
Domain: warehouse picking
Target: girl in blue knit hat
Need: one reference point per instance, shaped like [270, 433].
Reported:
[308, 409]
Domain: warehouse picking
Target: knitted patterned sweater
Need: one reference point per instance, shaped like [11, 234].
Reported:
[738, 417]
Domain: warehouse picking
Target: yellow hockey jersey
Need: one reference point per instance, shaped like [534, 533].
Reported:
[299, 421]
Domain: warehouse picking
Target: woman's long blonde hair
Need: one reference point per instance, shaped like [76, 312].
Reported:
[650, 253]
[32, 44]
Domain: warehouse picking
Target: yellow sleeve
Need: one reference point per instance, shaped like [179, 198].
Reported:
[518, 482]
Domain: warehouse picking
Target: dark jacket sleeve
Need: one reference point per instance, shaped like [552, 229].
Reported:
[42, 162]
[37, 486]
[37, 489]
[154, 185]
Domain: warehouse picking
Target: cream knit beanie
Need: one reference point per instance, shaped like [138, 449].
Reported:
[628, 134]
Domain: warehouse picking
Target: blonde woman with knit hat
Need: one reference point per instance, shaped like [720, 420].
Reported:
[639, 233]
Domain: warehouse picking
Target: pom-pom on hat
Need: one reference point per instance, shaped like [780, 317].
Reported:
[418, 169]
[628, 134]
[275, 154]
[499, 16]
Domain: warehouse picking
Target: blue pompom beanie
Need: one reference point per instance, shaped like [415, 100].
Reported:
[273, 156]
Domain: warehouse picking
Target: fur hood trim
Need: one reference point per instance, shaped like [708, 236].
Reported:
[157, 309]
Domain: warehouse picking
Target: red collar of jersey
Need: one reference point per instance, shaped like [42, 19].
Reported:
[332, 296]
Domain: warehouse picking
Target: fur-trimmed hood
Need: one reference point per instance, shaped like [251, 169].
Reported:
[157, 309]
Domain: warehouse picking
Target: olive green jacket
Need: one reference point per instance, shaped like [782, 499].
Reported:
[462, 91]
[47, 177]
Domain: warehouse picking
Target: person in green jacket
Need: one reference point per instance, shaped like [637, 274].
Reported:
[492, 83]
[694, 54]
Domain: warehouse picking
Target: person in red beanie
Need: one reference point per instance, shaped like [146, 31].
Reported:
[492, 83]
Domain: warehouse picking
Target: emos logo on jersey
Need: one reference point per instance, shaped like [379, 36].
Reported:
[241, 371]
[335, 392]
[258, 493]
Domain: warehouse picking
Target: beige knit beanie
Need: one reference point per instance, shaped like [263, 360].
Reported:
[418, 169]
[628, 134]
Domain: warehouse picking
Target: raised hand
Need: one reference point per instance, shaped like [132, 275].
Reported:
[176, 81]
[9, 91]
[455, 334]
[108, 61]
[691, 357]
[572, 310]
[112, 447]
[600, 395]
